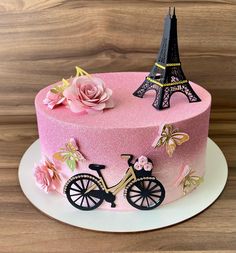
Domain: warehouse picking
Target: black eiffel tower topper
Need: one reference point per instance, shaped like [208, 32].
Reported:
[166, 76]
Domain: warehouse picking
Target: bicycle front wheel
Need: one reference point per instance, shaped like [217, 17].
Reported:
[145, 193]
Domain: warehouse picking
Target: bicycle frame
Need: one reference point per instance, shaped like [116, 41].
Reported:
[128, 177]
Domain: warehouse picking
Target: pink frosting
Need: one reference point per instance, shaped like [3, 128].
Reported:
[131, 127]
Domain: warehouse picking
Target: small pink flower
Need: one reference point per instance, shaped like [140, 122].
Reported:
[142, 160]
[47, 176]
[53, 99]
[148, 166]
[184, 171]
[137, 166]
[88, 94]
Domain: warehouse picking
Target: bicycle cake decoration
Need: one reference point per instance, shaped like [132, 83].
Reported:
[143, 191]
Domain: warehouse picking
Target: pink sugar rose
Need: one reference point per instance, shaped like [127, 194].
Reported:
[142, 160]
[47, 176]
[137, 166]
[88, 94]
[53, 99]
[148, 166]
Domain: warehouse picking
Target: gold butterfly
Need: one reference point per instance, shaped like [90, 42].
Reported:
[70, 154]
[170, 138]
[190, 181]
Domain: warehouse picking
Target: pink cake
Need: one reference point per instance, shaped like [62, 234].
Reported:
[134, 127]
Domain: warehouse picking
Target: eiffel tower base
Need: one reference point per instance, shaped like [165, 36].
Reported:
[163, 94]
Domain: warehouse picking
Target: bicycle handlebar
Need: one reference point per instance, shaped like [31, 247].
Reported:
[125, 156]
[128, 157]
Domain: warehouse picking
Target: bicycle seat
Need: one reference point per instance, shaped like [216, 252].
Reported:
[96, 167]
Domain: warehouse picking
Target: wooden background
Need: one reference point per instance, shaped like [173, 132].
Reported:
[41, 42]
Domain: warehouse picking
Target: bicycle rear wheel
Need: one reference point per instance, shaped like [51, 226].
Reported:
[76, 190]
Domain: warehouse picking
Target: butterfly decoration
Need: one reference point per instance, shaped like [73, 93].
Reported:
[170, 138]
[188, 179]
[70, 154]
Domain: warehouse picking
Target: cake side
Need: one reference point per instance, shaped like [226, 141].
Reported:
[130, 128]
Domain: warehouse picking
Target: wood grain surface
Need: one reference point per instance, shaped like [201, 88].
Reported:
[41, 42]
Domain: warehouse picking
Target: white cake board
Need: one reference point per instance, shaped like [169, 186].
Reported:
[56, 206]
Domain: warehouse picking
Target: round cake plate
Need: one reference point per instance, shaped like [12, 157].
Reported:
[56, 206]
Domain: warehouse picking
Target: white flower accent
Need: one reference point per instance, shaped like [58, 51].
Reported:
[148, 166]
[137, 166]
[142, 160]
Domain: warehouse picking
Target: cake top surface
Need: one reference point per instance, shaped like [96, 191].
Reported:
[129, 111]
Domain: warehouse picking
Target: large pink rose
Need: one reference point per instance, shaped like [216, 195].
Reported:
[88, 94]
[47, 176]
